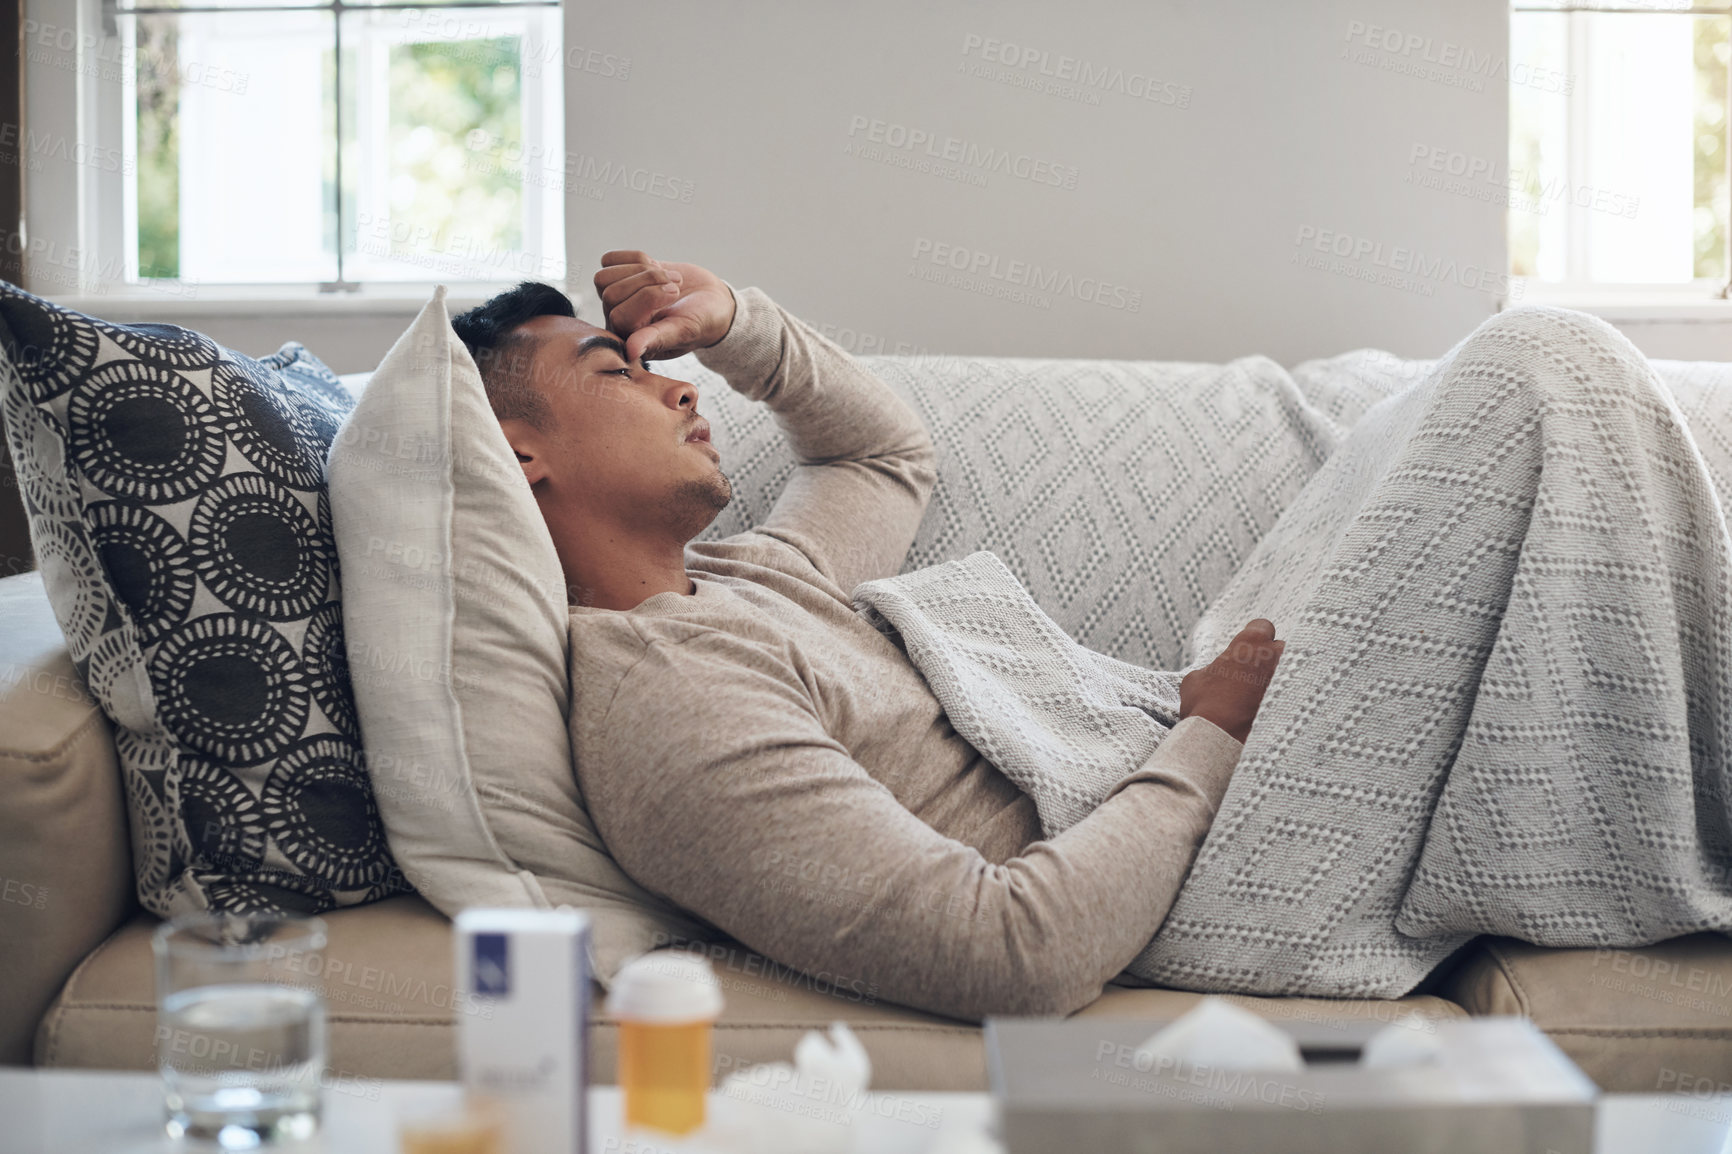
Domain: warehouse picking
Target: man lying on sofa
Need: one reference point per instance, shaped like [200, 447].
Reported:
[732, 714]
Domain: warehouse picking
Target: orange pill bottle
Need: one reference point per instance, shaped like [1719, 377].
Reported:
[667, 1003]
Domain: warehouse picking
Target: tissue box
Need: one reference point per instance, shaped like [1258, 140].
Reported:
[1496, 1084]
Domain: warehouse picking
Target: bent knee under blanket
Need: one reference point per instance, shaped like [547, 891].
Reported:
[1504, 706]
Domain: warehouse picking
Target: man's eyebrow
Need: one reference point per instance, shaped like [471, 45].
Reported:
[602, 342]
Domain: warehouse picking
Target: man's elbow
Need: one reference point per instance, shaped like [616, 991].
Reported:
[921, 466]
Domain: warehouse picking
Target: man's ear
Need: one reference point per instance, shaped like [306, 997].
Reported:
[531, 447]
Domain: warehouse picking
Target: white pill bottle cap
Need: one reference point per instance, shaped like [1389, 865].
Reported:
[666, 988]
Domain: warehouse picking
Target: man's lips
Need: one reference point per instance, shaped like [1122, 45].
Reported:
[699, 432]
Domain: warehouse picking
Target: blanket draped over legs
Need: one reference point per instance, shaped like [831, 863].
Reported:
[1505, 701]
[1503, 706]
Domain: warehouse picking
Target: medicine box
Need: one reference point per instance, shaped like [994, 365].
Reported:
[522, 1035]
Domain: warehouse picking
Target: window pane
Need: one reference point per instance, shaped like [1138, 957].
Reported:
[451, 127]
[148, 5]
[1711, 207]
[425, 203]
[1648, 5]
[233, 121]
[1637, 147]
[1539, 130]
[157, 211]
[1621, 179]
[151, 5]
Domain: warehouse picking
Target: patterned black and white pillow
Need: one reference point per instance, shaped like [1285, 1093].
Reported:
[176, 498]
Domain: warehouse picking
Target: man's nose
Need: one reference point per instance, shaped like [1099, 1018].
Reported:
[680, 395]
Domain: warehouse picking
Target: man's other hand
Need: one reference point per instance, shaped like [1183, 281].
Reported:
[1229, 690]
[662, 309]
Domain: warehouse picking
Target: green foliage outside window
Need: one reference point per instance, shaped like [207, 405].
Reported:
[1712, 52]
[456, 167]
[158, 167]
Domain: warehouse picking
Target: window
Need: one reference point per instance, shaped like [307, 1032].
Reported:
[343, 142]
[1618, 146]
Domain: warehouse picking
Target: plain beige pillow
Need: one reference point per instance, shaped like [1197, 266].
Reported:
[455, 612]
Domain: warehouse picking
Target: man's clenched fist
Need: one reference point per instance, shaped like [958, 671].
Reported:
[662, 309]
[1229, 689]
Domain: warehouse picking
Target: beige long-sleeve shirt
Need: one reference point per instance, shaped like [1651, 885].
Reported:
[762, 757]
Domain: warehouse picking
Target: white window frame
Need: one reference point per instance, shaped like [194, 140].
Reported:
[1700, 300]
[84, 207]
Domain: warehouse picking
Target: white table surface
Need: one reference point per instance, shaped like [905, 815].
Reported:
[103, 1112]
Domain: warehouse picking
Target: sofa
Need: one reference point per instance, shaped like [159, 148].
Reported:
[1028, 448]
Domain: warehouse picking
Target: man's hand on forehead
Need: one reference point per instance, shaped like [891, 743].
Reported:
[662, 309]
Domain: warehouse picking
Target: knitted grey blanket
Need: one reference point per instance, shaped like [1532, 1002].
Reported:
[1063, 722]
[1504, 706]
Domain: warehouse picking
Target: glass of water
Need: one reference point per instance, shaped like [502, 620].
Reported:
[240, 1026]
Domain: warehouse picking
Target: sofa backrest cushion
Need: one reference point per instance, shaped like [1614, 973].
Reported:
[1346, 385]
[175, 493]
[1703, 390]
[1123, 494]
[454, 606]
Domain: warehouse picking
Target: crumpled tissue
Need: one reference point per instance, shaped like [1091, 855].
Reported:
[1410, 1040]
[1221, 1036]
[809, 1107]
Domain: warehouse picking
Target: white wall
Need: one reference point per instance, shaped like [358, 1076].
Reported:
[350, 335]
[1272, 121]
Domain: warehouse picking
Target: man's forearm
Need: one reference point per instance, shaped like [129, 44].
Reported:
[1058, 922]
[831, 408]
[867, 461]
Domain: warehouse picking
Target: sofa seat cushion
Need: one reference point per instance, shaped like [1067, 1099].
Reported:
[387, 988]
[391, 1009]
[1653, 1020]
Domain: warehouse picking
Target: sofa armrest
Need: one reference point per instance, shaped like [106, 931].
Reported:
[65, 852]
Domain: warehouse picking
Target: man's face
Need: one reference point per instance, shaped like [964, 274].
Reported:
[626, 444]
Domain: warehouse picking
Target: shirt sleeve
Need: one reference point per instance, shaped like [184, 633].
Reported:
[713, 782]
[866, 465]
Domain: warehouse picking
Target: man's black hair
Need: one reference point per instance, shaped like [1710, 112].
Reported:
[504, 354]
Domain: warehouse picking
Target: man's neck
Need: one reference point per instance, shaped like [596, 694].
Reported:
[612, 570]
